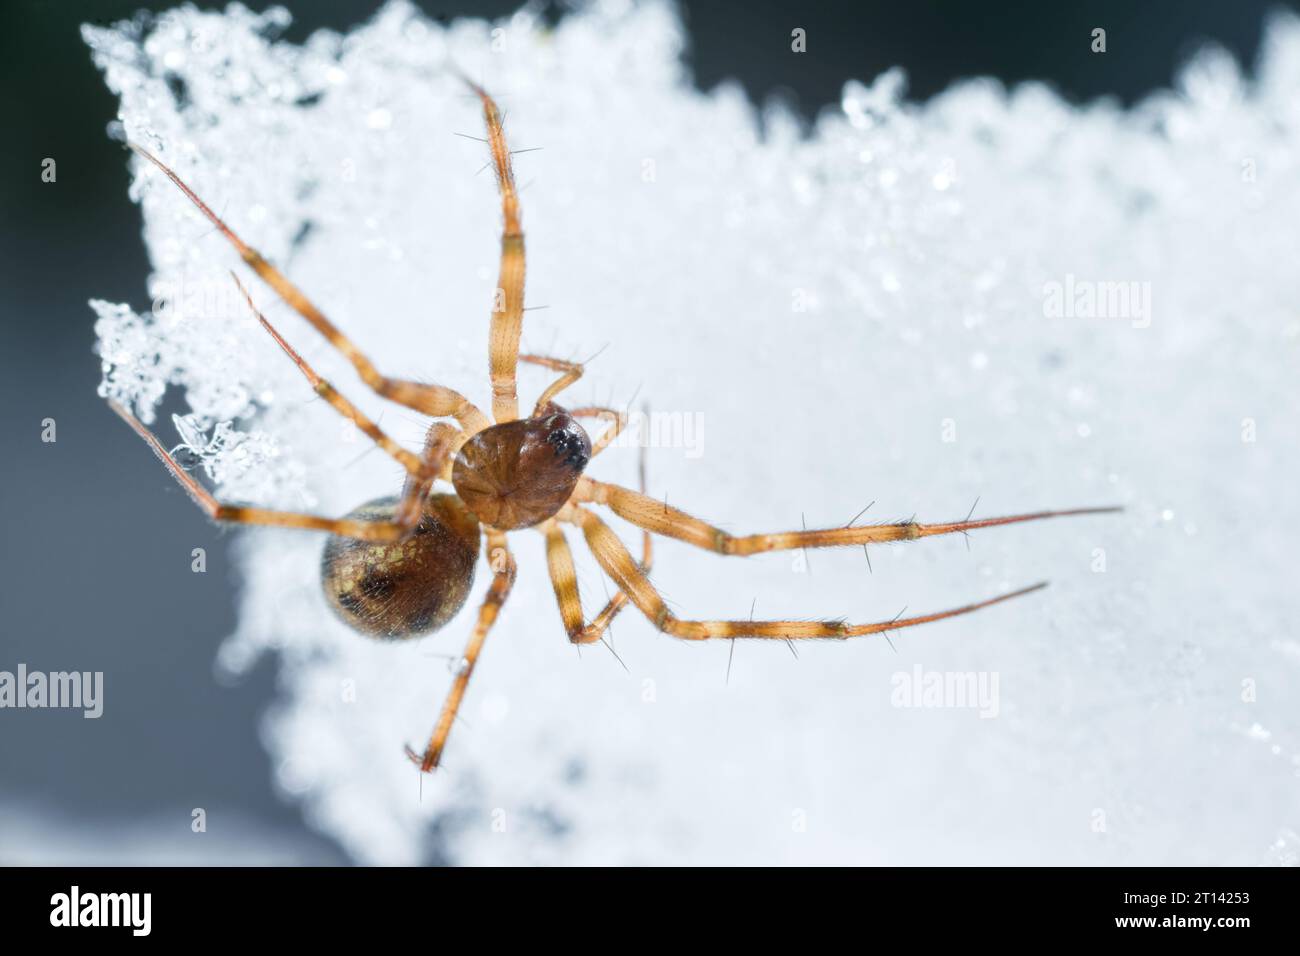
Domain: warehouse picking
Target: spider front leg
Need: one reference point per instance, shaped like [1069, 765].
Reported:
[411, 462]
[435, 401]
[502, 563]
[508, 302]
[618, 563]
[441, 441]
[657, 516]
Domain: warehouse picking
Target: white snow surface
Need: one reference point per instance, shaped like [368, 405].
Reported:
[850, 310]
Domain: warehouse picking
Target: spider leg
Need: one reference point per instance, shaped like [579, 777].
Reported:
[503, 578]
[435, 401]
[572, 371]
[406, 516]
[449, 458]
[617, 562]
[617, 422]
[508, 303]
[559, 560]
[441, 442]
[657, 516]
[409, 460]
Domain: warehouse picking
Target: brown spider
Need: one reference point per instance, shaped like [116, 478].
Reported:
[401, 567]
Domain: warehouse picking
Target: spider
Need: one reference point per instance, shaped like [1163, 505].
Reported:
[401, 567]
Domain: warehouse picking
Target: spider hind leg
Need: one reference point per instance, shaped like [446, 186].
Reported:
[617, 562]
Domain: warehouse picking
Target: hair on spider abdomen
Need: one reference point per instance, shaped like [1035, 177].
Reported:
[520, 473]
[406, 588]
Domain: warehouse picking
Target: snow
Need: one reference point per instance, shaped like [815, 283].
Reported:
[873, 308]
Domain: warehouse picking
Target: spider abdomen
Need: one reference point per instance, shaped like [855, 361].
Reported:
[520, 473]
[404, 588]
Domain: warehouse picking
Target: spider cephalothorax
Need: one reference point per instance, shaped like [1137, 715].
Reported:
[520, 473]
[400, 567]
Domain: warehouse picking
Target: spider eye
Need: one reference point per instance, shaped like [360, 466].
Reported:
[570, 441]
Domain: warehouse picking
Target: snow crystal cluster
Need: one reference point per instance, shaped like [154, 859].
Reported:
[994, 294]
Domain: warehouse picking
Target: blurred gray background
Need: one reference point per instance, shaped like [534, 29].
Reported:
[95, 539]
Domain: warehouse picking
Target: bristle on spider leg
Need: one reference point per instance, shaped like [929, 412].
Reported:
[970, 514]
[854, 519]
[888, 637]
